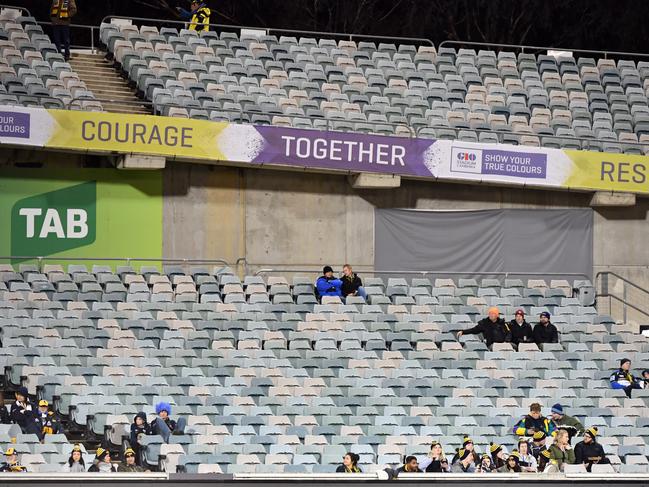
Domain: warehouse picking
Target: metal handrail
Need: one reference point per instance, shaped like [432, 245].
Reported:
[91, 28]
[15, 7]
[623, 279]
[599, 282]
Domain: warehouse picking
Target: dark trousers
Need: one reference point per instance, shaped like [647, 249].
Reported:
[61, 34]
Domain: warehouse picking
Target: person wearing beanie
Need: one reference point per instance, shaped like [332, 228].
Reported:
[560, 451]
[493, 328]
[465, 462]
[521, 330]
[486, 465]
[467, 444]
[102, 464]
[526, 460]
[546, 465]
[129, 464]
[11, 463]
[410, 465]
[512, 464]
[563, 421]
[350, 464]
[624, 379]
[435, 462]
[163, 425]
[75, 463]
[498, 455]
[327, 284]
[588, 451]
[46, 421]
[23, 412]
[534, 422]
[351, 283]
[545, 331]
[538, 445]
[139, 427]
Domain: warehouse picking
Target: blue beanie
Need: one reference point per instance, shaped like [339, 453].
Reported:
[546, 315]
[163, 406]
[557, 408]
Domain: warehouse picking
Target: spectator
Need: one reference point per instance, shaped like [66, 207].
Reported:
[465, 462]
[623, 379]
[75, 463]
[139, 427]
[467, 444]
[563, 421]
[351, 283]
[11, 463]
[102, 462]
[23, 412]
[560, 451]
[410, 465]
[163, 425]
[350, 464]
[545, 331]
[199, 16]
[5, 417]
[498, 455]
[486, 466]
[645, 378]
[512, 465]
[533, 422]
[493, 328]
[46, 421]
[538, 445]
[327, 284]
[546, 465]
[588, 451]
[527, 461]
[521, 330]
[130, 465]
[61, 13]
[438, 462]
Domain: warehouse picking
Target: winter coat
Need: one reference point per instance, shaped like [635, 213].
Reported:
[48, 423]
[12, 467]
[136, 430]
[435, 466]
[493, 332]
[589, 453]
[561, 457]
[528, 422]
[350, 284]
[130, 468]
[521, 333]
[76, 467]
[95, 467]
[570, 424]
[623, 379]
[23, 413]
[458, 467]
[536, 451]
[329, 287]
[62, 11]
[545, 333]
[343, 469]
[200, 18]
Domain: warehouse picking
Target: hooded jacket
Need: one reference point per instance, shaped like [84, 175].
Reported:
[493, 332]
[329, 287]
[144, 429]
[561, 457]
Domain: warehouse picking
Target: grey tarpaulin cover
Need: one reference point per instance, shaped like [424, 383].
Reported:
[510, 240]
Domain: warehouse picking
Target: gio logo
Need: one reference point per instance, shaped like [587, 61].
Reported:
[54, 222]
[466, 156]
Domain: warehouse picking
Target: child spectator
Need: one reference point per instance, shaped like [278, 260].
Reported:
[623, 378]
[75, 463]
[493, 328]
[139, 427]
[512, 465]
[545, 331]
[23, 412]
[438, 462]
[563, 421]
[527, 461]
[589, 451]
[410, 465]
[163, 425]
[130, 465]
[560, 451]
[498, 455]
[327, 284]
[102, 462]
[521, 330]
[11, 463]
[46, 421]
[350, 464]
[533, 422]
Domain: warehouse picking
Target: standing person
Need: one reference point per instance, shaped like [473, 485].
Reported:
[61, 13]
[560, 451]
[163, 425]
[75, 463]
[351, 283]
[327, 284]
[538, 446]
[623, 378]
[563, 421]
[102, 462]
[534, 422]
[198, 16]
[23, 412]
[11, 463]
[139, 427]
[350, 464]
[493, 328]
[589, 451]
[438, 462]
[46, 421]
[527, 461]
[521, 330]
[512, 464]
[130, 465]
[498, 455]
[545, 331]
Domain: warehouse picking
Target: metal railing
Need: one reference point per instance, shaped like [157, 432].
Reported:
[15, 7]
[91, 28]
[604, 290]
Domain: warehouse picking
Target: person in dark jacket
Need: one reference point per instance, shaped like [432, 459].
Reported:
[327, 284]
[102, 464]
[624, 379]
[139, 427]
[521, 330]
[23, 412]
[538, 445]
[410, 465]
[199, 16]
[351, 283]
[589, 451]
[163, 425]
[486, 465]
[561, 420]
[498, 455]
[61, 13]
[493, 328]
[545, 331]
[545, 461]
[5, 417]
[645, 377]
[438, 462]
[533, 422]
[129, 464]
[11, 463]
[350, 464]
[46, 421]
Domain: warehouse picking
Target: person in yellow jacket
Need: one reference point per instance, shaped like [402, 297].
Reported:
[199, 16]
[61, 13]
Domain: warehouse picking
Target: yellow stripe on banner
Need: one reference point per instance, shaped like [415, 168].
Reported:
[610, 172]
[165, 136]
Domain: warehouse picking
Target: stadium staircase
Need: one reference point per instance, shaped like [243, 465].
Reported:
[106, 84]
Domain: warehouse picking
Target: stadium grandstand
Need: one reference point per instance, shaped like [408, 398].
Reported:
[235, 255]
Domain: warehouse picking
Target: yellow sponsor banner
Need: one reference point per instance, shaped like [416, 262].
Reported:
[609, 172]
[146, 134]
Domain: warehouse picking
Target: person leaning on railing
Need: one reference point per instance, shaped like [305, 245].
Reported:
[198, 16]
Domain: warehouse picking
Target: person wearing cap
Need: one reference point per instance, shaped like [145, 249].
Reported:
[560, 451]
[410, 465]
[102, 462]
[464, 463]
[129, 464]
[624, 379]
[139, 427]
[563, 421]
[47, 422]
[526, 460]
[538, 445]
[198, 16]
[435, 461]
[23, 412]
[75, 463]
[534, 422]
[521, 330]
[163, 425]
[545, 331]
[11, 463]
[350, 464]
[351, 283]
[493, 328]
[588, 451]
[327, 284]
[512, 464]
[498, 455]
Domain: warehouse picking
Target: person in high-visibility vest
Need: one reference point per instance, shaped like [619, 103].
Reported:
[61, 12]
[199, 16]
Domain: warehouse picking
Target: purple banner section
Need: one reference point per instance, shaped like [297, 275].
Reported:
[343, 151]
[516, 164]
[14, 124]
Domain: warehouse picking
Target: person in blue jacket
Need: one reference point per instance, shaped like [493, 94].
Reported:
[327, 284]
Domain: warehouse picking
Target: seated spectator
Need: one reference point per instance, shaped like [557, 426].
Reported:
[11, 463]
[560, 451]
[645, 378]
[163, 425]
[498, 455]
[521, 330]
[435, 462]
[327, 284]
[75, 463]
[563, 421]
[589, 451]
[5, 417]
[545, 331]
[526, 460]
[410, 465]
[102, 462]
[350, 464]
[486, 465]
[546, 465]
[351, 283]
[465, 462]
[533, 422]
[139, 427]
[493, 328]
[46, 421]
[467, 444]
[538, 445]
[129, 464]
[512, 464]
[623, 378]
[23, 412]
